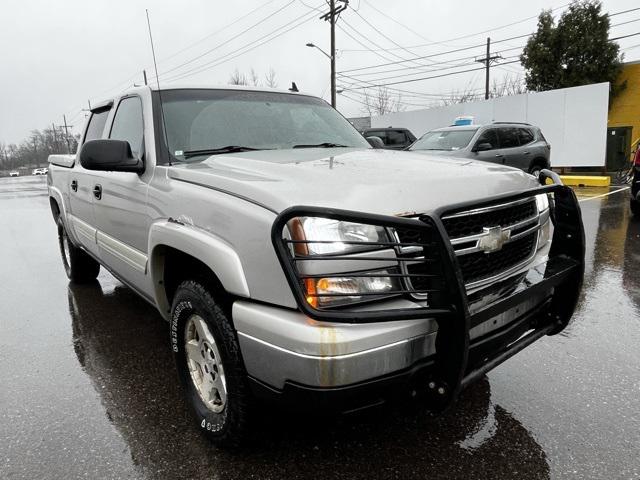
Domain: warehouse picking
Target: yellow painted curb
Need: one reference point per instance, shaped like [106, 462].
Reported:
[584, 181]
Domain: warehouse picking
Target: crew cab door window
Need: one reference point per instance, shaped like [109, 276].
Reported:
[509, 138]
[128, 124]
[95, 129]
[488, 136]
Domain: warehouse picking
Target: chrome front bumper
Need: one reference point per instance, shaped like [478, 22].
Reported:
[282, 346]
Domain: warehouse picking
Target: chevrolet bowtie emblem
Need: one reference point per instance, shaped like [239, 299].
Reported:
[493, 238]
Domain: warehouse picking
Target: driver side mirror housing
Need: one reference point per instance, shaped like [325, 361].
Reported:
[110, 156]
[482, 147]
[375, 142]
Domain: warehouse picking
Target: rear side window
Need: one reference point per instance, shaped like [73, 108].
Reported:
[128, 124]
[489, 136]
[526, 136]
[509, 138]
[95, 129]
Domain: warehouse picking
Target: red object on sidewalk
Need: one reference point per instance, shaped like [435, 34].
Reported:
[636, 158]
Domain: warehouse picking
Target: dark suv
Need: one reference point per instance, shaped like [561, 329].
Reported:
[393, 138]
[517, 145]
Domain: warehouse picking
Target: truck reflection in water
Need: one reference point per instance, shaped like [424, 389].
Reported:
[123, 346]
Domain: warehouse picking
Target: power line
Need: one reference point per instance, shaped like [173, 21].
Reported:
[442, 42]
[466, 48]
[247, 48]
[435, 76]
[207, 52]
[217, 32]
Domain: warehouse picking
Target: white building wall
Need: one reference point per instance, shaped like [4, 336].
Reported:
[573, 120]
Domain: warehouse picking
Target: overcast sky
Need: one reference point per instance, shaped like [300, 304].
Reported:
[57, 55]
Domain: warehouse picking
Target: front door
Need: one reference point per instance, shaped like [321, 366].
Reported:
[618, 148]
[121, 209]
[495, 154]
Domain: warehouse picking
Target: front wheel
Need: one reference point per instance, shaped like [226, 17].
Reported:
[635, 208]
[209, 364]
[78, 265]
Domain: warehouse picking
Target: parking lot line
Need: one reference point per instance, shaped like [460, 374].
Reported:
[604, 194]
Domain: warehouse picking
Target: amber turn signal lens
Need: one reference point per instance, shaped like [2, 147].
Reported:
[310, 285]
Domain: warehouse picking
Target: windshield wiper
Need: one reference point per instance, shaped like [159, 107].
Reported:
[217, 151]
[321, 145]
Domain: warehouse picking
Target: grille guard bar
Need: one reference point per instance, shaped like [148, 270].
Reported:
[452, 371]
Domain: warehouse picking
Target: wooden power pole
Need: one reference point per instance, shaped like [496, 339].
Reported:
[332, 16]
[487, 63]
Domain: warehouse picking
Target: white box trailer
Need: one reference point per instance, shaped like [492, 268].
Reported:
[573, 120]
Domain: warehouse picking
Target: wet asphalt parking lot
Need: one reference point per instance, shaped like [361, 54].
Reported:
[88, 387]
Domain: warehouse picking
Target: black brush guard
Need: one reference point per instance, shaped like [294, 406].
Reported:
[457, 362]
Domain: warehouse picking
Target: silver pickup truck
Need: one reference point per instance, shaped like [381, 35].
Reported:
[295, 263]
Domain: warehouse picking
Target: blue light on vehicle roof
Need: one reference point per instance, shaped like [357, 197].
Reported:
[460, 121]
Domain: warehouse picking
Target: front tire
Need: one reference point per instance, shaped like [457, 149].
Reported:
[635, 208]
[209, 364]
[78, 265]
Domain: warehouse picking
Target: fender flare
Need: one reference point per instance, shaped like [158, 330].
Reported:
[208, 248]
[56, 194]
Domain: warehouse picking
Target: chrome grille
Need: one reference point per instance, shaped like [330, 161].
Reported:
[517, 223]
[518, 220]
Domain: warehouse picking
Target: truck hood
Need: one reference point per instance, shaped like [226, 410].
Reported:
[373, 181]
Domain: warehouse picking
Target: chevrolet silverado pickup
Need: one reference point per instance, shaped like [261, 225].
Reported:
[295, 263]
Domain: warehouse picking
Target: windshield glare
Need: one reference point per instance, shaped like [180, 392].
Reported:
[444, 140]
[211, 119]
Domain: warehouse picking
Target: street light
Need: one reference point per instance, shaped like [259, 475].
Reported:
[333, 72]
[312, 45]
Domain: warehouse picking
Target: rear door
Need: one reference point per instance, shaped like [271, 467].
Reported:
[121, 210]
[82, 219]
[510, 145]
[494, 155]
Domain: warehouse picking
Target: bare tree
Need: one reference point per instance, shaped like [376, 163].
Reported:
[238, 78]
[270, 79]
[255, 79]
[510, 85]
[381, 102]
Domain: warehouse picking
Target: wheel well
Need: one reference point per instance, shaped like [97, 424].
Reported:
[55, 208]
[179, 266]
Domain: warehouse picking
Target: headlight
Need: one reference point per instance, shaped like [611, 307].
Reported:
[317, 236]
[325, 235]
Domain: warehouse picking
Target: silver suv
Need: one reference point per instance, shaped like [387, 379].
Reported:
[517, 145]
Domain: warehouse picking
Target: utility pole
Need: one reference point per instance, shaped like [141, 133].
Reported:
[486, 61]
[66, 133]
[332, 16]
[55, 137]
[144, 73]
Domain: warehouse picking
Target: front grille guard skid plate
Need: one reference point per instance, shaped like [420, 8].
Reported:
[563, 275]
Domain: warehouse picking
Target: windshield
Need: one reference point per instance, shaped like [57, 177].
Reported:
[202, 122]
[444, 140]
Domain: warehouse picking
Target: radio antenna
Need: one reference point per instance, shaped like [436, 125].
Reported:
[155, 66]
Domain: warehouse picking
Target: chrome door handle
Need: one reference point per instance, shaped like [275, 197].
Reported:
[97, 191]
[499, 155]
[525, 153]
[74, 185]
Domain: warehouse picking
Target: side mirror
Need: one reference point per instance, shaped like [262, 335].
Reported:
[109, 156]
[375, 142]
[482, 147]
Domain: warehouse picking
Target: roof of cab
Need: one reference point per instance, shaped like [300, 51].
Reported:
[192, 86]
